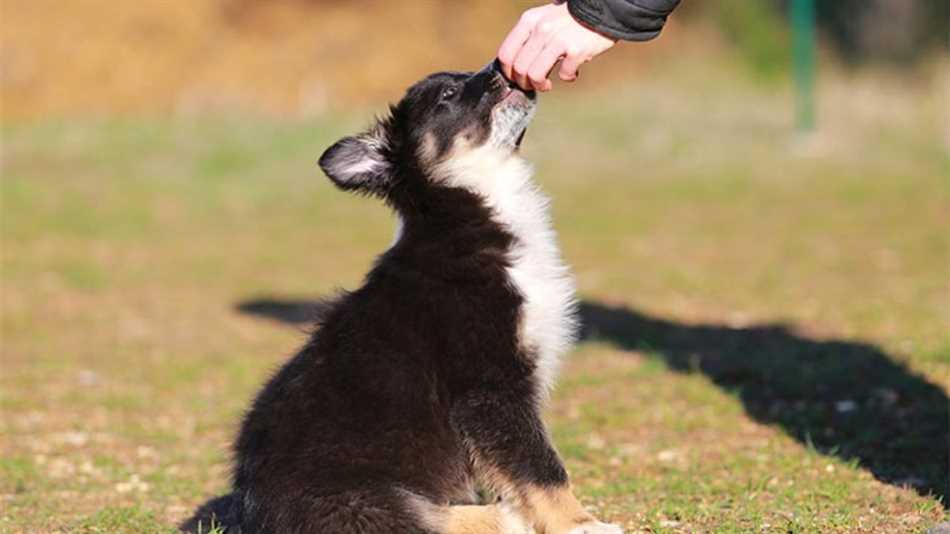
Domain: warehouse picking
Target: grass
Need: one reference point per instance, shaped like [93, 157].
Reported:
[766, 344]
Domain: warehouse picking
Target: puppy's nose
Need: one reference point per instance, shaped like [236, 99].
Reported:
[495, 65]
[492, 67]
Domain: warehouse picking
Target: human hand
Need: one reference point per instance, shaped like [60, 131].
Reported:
[543, 36]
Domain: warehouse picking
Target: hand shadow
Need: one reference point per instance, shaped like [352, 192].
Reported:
[847, 399]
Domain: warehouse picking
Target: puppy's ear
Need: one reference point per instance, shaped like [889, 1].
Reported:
[359, 162]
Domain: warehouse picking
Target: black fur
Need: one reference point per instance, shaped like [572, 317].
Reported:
[417, 374]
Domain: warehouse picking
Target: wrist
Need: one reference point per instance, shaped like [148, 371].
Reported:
[584, 17]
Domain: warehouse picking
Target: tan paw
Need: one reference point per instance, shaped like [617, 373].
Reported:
[512, 522]
[596, 527]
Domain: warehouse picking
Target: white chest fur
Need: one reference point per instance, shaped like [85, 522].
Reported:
[548, 315]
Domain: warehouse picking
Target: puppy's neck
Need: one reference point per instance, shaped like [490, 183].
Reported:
[503, 181]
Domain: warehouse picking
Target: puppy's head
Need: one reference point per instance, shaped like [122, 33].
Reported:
[445, 116]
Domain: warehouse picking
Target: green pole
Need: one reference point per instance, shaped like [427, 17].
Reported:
[803, 61]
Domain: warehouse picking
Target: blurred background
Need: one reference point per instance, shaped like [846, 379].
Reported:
[304, 57]
[756, 206]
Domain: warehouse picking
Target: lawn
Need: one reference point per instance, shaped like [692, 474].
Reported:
[766, 344]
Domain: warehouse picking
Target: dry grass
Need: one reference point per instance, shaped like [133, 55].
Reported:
[282, 57]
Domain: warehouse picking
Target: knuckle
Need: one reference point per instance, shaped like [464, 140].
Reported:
[545, 28]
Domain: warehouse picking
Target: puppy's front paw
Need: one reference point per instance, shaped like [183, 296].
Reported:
[596, 527]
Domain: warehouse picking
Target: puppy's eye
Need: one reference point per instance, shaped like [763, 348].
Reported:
[448, 93]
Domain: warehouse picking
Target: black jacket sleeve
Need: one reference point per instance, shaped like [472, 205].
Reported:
[631, 20]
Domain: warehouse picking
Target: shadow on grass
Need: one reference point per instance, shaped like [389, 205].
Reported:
[844, 398]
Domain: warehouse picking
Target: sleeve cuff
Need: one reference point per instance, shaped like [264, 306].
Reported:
[644, 27]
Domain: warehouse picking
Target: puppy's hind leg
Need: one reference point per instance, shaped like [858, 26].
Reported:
[482, 519]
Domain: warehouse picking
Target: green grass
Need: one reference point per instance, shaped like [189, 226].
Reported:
[696, 223]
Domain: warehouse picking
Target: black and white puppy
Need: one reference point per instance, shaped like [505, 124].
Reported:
[422, 389]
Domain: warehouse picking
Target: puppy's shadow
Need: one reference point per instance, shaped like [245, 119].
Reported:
[848, 399]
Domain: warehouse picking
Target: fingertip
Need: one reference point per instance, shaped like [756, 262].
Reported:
[508, 69]
[542, 84]
[567, 75]
[521, 80]
[521, 76]
[535, 84]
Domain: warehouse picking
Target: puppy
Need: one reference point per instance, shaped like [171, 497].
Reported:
[422, 389]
